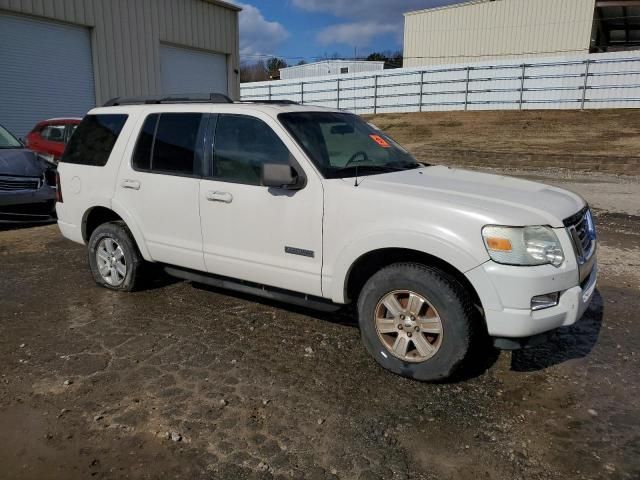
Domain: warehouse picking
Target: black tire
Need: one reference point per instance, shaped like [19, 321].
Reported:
[455, 309]
[133, 260]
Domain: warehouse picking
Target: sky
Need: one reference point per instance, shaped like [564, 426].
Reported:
[313, 29]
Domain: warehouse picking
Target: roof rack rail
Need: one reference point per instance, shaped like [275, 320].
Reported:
[274, 102]
[186, 98]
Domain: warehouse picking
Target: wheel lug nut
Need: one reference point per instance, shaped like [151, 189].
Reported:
[399, 327]
[412, 318]
[408, 334]
[401, 317]
[417, 329]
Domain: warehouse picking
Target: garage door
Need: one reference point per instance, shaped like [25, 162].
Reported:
[192, 71]
[45, 71]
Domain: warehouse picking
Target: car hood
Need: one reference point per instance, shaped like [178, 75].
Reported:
[21, 162]
[495, 198]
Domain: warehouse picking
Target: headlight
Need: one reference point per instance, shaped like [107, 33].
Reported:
[523, 245]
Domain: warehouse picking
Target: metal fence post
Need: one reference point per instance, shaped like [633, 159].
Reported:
[269, 92]
[522, 77]
[338, 99]
[586, 84]
[466, 90]
[421, 89]
[375, 94]
[301, 93]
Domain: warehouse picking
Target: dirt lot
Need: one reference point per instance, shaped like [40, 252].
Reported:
[590, 140]
[182, 381]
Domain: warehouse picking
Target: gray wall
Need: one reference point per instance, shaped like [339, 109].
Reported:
[126, 37]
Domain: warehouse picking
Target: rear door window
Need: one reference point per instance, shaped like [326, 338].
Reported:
[144, 146]
[94, 140]
[171, 143]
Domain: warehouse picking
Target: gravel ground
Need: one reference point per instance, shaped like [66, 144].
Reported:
[182, 381]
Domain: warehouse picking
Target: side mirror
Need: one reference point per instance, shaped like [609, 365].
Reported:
[280, 175]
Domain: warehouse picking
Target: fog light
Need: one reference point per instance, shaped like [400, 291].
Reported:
[545, 301]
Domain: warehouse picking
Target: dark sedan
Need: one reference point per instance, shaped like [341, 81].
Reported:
[27, 183]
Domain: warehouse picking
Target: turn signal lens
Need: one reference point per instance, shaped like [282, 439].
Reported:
[499, 244]
[58, 188]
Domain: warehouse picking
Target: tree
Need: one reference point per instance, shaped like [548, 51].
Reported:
[390, 59]
[376, 57]
[274, 65]
[253, 71]
[301, 62]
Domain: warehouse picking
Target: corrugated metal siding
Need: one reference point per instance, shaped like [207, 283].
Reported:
[35, 60]
[494, 30]
[126, 37]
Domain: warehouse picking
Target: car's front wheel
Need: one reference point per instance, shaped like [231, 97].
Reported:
[114, 258]
[416, 321]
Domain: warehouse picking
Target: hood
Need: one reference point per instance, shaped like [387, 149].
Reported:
[497, 199]
[21, 162]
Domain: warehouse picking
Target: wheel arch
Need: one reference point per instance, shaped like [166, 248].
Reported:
[372, 261]
[99, 214]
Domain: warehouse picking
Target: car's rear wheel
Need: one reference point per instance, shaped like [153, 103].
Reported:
[416, 321]
[114, 259]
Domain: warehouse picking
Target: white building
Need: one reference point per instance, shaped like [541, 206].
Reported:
[498, 29]
[329, 67]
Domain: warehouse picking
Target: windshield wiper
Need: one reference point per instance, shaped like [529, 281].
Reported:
[417, 165]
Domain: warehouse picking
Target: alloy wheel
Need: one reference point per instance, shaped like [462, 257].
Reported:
[409, 326]
[111, 261]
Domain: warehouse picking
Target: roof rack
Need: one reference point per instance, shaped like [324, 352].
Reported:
[274, 102]
[187, 98]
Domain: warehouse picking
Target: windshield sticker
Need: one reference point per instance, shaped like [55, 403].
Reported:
[380, 141]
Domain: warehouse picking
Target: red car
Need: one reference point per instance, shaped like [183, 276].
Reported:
[49, 137]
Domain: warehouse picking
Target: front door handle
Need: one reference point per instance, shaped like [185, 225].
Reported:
[223, 197]
[132, 184]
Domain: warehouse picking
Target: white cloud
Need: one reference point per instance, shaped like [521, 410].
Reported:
[366, 9]
[370, 18]
[354, 34]
[258, 36]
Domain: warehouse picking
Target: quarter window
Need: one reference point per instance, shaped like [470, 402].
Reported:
[242, 145]
[94, 139]
[168, 143]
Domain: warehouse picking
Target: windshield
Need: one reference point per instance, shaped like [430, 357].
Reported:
[7, 140]
[343, 145]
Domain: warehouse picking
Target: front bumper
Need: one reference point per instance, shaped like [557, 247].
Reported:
[28, 205]
[506, 293]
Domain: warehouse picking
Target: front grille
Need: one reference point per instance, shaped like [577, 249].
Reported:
[9, 184]
[583, 233]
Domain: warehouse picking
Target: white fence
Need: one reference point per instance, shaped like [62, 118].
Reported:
[606, 80]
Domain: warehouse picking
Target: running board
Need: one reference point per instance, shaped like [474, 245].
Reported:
[250, 288]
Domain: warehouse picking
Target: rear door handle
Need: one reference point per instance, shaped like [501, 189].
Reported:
[132, 184]
[223, 197]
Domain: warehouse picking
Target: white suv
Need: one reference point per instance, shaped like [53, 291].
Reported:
[317, 207]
